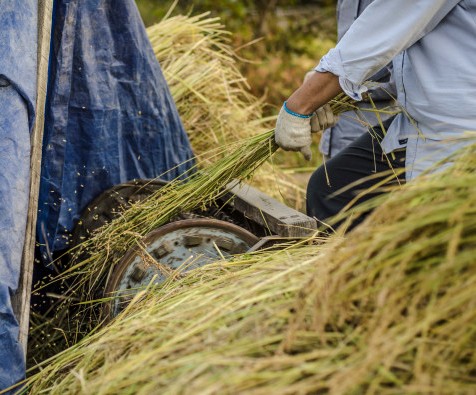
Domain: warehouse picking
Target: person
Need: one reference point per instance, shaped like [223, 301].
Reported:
[352, 124]
[432, 45]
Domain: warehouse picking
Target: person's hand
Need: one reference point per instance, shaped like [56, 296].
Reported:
[293, 133]
[323, 118]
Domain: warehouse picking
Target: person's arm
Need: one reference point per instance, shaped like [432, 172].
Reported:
[383, 30]
[316, 91]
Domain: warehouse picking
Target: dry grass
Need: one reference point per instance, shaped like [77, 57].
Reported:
[389, 309]
[83, 281]
[210, 93]
[213, 97]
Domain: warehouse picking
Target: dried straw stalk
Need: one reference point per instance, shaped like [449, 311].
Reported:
[211, 94]
[390, 309]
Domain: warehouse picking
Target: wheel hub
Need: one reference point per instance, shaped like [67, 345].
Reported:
[183, 244]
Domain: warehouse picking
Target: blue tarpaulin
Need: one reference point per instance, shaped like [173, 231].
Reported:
[18, 47]
[110, 117]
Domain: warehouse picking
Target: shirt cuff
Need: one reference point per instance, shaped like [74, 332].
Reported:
[332, 63]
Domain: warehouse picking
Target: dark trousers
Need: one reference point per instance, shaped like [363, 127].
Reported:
[353, 165]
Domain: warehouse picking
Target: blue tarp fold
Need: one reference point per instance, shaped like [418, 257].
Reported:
[18, 47]
[110, 116]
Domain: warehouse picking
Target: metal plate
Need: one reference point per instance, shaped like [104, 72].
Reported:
[183, 244]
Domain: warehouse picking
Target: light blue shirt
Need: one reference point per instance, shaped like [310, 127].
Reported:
[353, 124]
[433, 47]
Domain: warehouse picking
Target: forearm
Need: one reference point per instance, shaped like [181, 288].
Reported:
[316, 91]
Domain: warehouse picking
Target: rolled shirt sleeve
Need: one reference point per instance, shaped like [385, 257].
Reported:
[382, 31]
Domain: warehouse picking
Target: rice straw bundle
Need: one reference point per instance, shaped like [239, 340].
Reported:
[389, 309]
[210, 93]
[94, 259]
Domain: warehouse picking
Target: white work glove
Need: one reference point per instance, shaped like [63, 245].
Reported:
[293, 133]
[323, 118]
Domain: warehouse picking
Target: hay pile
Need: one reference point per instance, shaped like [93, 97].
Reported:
[389, 309]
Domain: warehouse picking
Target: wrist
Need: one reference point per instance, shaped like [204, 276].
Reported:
[298, 106]
[296, 113]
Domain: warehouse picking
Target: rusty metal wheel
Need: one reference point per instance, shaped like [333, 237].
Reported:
[181, 245]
